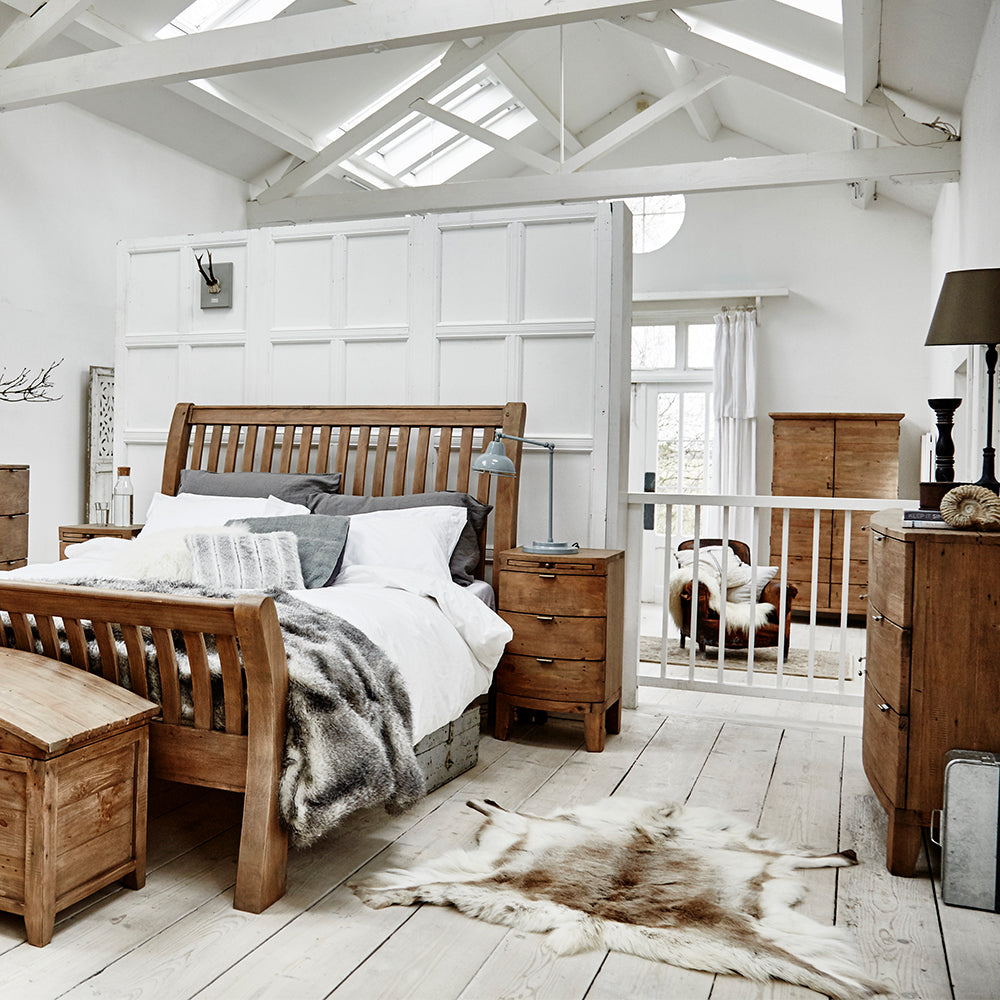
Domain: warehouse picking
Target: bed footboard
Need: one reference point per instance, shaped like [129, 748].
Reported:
[113, 632]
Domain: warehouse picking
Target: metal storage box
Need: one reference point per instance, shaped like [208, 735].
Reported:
[970, 826]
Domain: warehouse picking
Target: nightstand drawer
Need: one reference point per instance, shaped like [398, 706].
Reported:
[887, 659]
[890, 578]
[555, 635]
[884, 746]
[556, 680]
[551, 594]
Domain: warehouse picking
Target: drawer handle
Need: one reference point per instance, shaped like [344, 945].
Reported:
[884, 707]
[876, 617]
[546, 576]
[546, 618]
[544, 659]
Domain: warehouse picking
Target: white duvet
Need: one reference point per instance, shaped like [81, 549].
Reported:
[445, 640]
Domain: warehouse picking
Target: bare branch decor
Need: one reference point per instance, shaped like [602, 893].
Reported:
[27, 387]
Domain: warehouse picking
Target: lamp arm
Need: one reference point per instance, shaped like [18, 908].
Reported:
[500, 435]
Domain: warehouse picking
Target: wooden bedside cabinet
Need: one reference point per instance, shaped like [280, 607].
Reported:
[566, 654]
[71, 534]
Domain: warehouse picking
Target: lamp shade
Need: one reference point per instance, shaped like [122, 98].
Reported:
[494, 460]
[968, 308]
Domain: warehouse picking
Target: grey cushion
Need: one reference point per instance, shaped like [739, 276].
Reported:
[320, 542]
[465, 557]
[295, 487]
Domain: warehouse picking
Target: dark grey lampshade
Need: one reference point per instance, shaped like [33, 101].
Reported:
[968, 308]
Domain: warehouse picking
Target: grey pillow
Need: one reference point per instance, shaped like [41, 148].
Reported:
[295, 487]
[320, 541]
[465, 557]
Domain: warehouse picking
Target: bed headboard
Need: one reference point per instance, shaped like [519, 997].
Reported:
[379, 450]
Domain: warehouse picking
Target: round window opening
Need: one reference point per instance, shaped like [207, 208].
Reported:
[656, 220]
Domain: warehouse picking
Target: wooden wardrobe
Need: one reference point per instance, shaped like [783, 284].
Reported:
[831, 455]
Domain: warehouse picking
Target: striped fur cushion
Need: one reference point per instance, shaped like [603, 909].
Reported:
[246, 561]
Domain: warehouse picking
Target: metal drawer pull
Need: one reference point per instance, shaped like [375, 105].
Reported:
[546, 576]
[884, 707]
[544, 659]
[876, 617]
[546, 618]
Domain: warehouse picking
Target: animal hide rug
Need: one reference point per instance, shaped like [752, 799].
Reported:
[692, 887]
[349, 727]
[738, 617]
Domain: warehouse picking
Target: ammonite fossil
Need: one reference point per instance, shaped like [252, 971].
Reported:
[972, 507]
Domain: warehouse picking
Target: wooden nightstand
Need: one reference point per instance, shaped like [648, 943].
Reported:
[70, 534]
[566, 655]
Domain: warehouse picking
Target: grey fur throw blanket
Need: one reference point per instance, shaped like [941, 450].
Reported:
[348, 742]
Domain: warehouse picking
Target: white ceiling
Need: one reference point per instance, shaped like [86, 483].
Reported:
[258, 124]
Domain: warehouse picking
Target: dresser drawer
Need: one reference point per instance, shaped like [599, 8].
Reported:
[887, 659]
[13, 490]
[551, 679]
[884, 747]
[556, 635]
[548, 593]
[890, 577]
[14, 537]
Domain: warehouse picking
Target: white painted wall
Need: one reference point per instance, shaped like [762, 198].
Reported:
[72, 187]
[849, 336]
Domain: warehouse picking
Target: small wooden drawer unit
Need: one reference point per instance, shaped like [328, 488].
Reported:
[566, 653]
[13, 516]
[74, 752]
[71, 534]
[933, 648]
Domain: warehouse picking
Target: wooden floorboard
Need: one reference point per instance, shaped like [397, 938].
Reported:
[797, 774]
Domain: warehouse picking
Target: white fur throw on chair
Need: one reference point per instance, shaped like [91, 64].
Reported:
[740, 615]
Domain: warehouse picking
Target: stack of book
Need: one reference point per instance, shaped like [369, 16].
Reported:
[923, 519]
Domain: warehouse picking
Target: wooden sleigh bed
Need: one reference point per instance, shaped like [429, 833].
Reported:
[379, 451]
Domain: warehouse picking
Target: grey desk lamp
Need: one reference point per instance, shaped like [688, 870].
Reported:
[968, 312]
[495, 461]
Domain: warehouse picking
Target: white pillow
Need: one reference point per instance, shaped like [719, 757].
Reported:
[415, 538]
[276, 507]
[188, 510]
[741, 594]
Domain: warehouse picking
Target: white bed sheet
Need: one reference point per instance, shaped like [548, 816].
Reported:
[443, 637]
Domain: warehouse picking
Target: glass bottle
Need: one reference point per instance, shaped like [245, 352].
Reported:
[121, 498]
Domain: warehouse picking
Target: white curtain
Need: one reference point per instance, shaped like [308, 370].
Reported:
[734, 388]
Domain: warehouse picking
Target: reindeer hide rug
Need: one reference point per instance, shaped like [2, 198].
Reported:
[692, 887]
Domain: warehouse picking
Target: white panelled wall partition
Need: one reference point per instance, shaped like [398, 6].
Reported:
[529, 305]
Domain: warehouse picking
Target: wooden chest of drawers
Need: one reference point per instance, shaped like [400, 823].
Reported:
[13, 516]
[566, 654]
[933, 649]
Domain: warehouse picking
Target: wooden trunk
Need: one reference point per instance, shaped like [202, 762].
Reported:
[831, 455]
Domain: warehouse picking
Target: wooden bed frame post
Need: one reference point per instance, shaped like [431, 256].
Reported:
[261, 874]
[178, 442]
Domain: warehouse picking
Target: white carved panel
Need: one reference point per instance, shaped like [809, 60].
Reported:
[559, 271]
[473, 371]
[474, 279]
[375, 372]
[303, 284]
[100, 439]
[558, 377]
[377, 279]
[152, 303]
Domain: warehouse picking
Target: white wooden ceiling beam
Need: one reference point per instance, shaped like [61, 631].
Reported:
[32, 31]
[513, 149]
[510, 78]
[937, 164]
[862, 40]
[657, 111]
[322, 34]
[455, 62]
[874, 116]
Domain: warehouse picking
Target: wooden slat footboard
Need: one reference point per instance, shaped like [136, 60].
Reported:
[245, 755]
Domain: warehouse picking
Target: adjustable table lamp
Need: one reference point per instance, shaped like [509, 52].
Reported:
[968, 312]
[495, 461]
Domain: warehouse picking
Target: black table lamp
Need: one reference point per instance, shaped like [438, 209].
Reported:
[968, 312]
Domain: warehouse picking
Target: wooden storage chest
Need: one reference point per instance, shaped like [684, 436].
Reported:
[73, 765]
[13, 516]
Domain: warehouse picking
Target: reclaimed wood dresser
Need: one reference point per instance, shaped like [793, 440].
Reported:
[13, 516]
[932, 670]
[567, 613]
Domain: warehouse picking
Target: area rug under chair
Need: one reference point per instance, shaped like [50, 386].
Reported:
[689, 886]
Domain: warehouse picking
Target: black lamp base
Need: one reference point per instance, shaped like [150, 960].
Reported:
[988, 479]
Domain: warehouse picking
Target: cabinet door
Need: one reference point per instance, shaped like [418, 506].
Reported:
[803, 458]
[866, 458]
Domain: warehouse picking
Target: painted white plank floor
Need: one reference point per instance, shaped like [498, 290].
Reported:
[794, 772]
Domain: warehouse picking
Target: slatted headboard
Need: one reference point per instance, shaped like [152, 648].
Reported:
[379, 450]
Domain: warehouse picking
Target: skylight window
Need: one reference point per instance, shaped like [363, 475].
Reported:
[203, 15]
[829, 10]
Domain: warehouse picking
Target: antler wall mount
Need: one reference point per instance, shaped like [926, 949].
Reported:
[217, 284]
